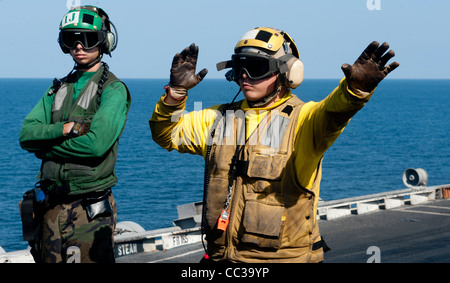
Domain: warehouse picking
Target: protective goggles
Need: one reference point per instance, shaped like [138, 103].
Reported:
[88, 39]
[256, 67]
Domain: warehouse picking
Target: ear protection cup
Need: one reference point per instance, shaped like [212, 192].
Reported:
[110, 42]
[296, 69]
[295, 72]
[292, 69]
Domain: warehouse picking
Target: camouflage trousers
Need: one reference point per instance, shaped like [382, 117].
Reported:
[69, 235]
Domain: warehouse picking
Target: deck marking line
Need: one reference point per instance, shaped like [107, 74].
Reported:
[438, 207]
[425, 212]
[177, 256]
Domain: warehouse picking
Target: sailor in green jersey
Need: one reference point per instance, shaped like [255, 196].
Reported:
[74, 129]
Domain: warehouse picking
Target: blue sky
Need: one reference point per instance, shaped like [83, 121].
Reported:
[327, 32]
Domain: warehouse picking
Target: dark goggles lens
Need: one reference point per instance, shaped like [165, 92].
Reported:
[256, 67]
[88, 39]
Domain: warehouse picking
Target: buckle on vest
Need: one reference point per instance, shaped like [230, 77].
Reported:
[321, 244]
[241, 168]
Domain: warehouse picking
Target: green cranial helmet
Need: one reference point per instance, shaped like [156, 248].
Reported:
[81, 18]
[88, 25]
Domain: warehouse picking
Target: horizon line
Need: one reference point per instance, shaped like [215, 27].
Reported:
[146, 78]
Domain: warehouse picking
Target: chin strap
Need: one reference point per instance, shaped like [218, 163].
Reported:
[88, 65]
[270, 97]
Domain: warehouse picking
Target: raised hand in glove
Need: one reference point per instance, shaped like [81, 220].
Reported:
[370, 68]
[182, 73]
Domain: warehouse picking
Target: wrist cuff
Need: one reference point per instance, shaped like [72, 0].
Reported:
[76, 130]
[177, 93]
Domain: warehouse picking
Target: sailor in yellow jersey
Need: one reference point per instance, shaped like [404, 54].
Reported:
[263, 154]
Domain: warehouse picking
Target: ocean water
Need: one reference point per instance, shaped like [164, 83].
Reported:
[405, 125]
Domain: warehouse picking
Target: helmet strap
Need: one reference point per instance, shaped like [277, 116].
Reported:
[270, 97]
[88, 65]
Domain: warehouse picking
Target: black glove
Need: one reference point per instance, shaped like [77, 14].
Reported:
[369, 69]
[182, 73]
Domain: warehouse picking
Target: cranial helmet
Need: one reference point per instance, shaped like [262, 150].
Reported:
[263, 52]
[90, 26]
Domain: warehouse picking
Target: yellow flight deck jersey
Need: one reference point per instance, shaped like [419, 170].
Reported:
[318, 125]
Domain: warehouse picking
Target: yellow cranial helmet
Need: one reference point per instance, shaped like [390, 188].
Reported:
[269, 40]
[271, 51]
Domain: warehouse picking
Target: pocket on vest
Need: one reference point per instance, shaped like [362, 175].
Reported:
[268, 167]
[263, 224]
[77, 170]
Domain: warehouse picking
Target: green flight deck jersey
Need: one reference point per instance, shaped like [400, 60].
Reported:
[84, 163]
